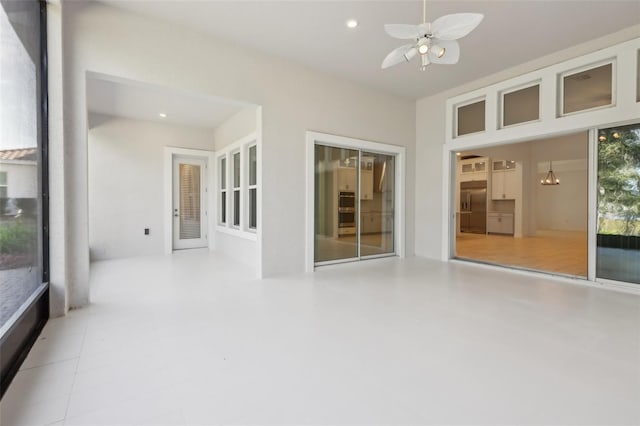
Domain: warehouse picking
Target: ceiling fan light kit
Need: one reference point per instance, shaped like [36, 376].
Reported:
[435, 42]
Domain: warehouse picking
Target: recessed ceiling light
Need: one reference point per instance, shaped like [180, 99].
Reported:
[162, 115]
[457, 153]
[352, 23]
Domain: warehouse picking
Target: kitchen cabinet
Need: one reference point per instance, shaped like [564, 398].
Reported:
[473, 169]
[370, 223]
[347, 180]
[504, 180]
[500, 223]
[366, 185]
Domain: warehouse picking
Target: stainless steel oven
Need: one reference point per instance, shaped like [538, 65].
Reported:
[346, 199]
[346, 212]
[346, 218]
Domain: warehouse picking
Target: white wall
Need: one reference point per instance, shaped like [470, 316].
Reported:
[241, 125]
[431, 136]
[294, 99]
[235, 128]
[22, 178]
[126, 178]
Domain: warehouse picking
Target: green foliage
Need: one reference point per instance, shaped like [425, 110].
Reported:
[18, 237]
[619, 181]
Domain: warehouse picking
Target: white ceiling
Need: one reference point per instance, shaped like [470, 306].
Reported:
[117, 97]
[313, 33]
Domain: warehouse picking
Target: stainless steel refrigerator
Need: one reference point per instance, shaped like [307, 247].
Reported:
[473, 207]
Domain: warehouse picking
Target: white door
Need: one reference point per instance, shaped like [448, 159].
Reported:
[189, 203]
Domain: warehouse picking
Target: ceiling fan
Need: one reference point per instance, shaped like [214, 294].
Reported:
[434, 42]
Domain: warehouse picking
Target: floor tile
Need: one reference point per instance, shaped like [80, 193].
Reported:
[194, 339]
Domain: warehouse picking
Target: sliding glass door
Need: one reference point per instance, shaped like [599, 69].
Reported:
[618, 233]
[377, 172]
[354, 204]
[336, 206]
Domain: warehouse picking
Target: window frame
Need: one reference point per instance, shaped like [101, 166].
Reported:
[236, 189]
[240, 147]
[501, 103]
[251, 187]
[456, 116]
[560, 85]
[222, 190]
[18, 336]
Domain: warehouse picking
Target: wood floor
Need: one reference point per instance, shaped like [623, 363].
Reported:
[554, 251]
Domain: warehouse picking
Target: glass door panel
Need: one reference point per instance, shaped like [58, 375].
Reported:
[377, 183]
[336, 204]
[618, 233]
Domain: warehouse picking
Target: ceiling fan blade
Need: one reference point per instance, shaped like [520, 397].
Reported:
[451, 53]
[402, 53]
[404, 31]
[455, 26]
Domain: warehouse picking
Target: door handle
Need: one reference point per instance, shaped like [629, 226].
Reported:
[175, 213]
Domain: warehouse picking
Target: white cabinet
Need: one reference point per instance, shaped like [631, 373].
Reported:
[347, 179]
[500, 223]
[504, 180]
[366, 185]
[473, 169]
[370, 223]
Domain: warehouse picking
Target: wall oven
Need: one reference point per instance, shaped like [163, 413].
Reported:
[346, 213]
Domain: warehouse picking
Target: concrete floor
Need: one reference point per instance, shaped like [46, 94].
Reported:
[194, 339]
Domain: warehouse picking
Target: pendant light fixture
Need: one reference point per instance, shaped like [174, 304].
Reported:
[551, 178]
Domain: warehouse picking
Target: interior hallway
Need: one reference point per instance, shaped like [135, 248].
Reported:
[194, 339]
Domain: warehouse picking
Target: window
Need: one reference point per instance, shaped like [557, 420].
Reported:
[236, 189]
[223, 190]
[253, 189]
[238, 197]
[24, 302]
[470, 118]
[521, 106]
[3, 185]
[588, 89]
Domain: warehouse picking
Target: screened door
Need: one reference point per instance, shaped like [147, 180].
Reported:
[618, 233]
[189, 214]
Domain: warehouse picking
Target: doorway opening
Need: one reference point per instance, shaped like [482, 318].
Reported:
[508, 214]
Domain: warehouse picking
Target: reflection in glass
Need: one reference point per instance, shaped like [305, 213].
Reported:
[236, 189]
[618, 240]
[253, 179]
[21, 271]
[223, 190]
[528, 225]
[588, 89]
[252, 165]
[521, 106]
[470, 118]
[336, 206]
[377, 175]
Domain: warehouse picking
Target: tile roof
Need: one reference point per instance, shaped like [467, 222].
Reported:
[24, 154]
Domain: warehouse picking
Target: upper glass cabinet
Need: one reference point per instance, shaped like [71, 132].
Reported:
[521, 106]
[587, 89]
[470, 118]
